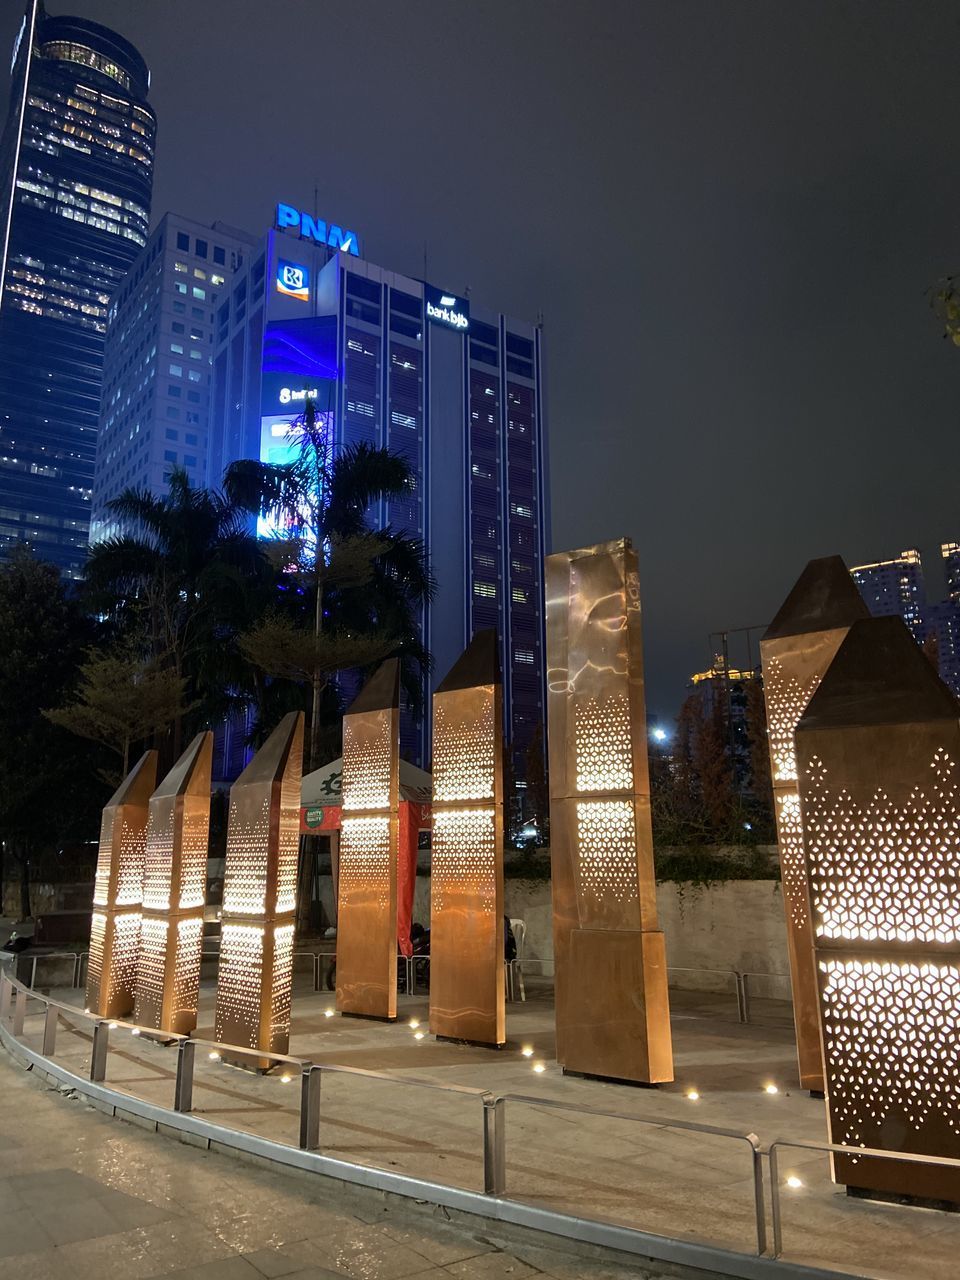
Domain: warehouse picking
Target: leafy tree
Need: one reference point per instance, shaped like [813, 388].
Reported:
[355, 591]
[188, 574]
[121, 700]
[49, 791]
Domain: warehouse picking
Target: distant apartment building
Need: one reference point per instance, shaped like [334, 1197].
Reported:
[723, 691]
[895, 588]
[158, 361]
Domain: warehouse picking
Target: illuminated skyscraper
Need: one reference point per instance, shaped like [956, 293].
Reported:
[155, 408]
[76, 168]
[452, 386]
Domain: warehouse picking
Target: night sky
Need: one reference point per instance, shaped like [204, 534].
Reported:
[728, 213]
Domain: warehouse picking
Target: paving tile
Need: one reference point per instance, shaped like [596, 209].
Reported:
[272, 1263]
[235, 1268]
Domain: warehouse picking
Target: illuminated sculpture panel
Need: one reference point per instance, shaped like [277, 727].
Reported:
[369, 831]
[467, 980]
[796, 650]
[878, 752]
[118, 894]
[259, 895]
[174, 890]
[612, 1010]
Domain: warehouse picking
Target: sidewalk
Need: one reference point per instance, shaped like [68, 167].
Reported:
[83, 1197]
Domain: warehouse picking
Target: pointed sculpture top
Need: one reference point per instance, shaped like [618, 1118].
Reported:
[137, 787]
[382, 690]
[192, 770]
[282, 749]
[880, 675]
[823, 598]
[479, 664]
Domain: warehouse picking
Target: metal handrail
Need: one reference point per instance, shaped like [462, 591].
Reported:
[834, 1148]
[37, 956]
[745, 991]
[691, 1126]
[494, 1161]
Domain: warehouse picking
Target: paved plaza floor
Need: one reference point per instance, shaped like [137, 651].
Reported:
[636, 1170]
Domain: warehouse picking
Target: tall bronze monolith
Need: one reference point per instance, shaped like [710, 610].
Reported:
[612, 1010]
[118, 894]
[467, 986]
[795, 651]
[878, 754]
[255, 977]
[369, 831]
[174, 891]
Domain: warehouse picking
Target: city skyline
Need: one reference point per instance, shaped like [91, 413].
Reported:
[730, 295]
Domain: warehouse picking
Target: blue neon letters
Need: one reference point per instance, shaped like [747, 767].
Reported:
[316, 229]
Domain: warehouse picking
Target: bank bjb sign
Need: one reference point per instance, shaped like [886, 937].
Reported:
[317, 229]
[446, 308]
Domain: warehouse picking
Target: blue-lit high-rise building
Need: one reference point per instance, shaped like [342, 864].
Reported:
[76, 177]
[455, 388]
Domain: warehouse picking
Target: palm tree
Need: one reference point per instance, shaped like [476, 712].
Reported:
[188, 575]
[364, 586]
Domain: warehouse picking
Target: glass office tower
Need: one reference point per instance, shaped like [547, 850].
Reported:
[454, 388]
[76, 164]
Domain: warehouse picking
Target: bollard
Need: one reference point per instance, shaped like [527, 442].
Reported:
[494, 1147]
[6, 991]
[50, 1022]
[183, 1089]
[310, 1108]
[19, 1011]
[98, 1053]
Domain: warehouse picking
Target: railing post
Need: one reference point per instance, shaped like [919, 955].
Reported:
[758, 1196]
[33, 973]
[98, 1054]
[316, 971]
[19, 1011]
[775, 1201]
[6, 991]
[310, 1079]
[743, 997]
[50, 1021]
[494, 1147]
[183, 1089]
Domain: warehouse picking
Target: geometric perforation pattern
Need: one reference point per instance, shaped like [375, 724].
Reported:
[882, 872]
[464, 752]
[607, 849]
[892, 1045]
[365, 782]
[463, 858]
[603, 746]
[365, 858]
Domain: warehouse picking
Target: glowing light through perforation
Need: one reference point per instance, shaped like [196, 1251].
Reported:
[366, 765]
[603, 746]
[365, 858]
[786, 700]
[463, 858]
[463, 753]
[245, 873]
[892, 1038]
[238, 982]
[886, 872]
[606, 839]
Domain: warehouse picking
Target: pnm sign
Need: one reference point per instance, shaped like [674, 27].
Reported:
[316, 229]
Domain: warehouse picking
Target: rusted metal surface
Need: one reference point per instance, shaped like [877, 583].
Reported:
[796, 650]
[877, 751]
[467, 986]
[612, 1009]
[369, 831]
[118, 894]
[260, 895]
[174, 889]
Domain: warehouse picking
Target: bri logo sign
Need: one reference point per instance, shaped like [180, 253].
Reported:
[293, 280]
[316, 229]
